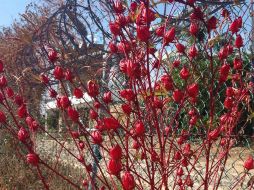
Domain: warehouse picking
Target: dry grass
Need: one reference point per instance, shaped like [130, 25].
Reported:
[15, 174]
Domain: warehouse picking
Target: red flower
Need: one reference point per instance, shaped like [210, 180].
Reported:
[111, 123]
[97, 105]
[107, 97]
[139, 128]
[116, 152]
[169, 36]
[234, 26]
[214, 134]
[93, 114]
[65, 102]
[96, 137]
[78, 93]
[52, 55]
[112, 47]
[180, 47]
[168, 130]
[29, 120]
[223, 53]
[230, 92]
[239, 22]
[228, 103]
[167, 82]
[92, 88]
[249, 163]
[128, 181]
[135, 145]
[18, 100]
[133, 6]
[3, 82]
[184, 73]
[22, 111]
[58, 73]
[73, 114]
[176, 63]
[224, 71]
[68, 75]
[126, 109]
[225, 13]
[146, 16]
[32, 159]
[238, 41]
[157, 103]
[187, 150]
[115, 28]
[197, 14]
[193, 28]
[52, 93]
[34, 126]
[191, 2]
[238, 64]
[143, 33]
[193, 90]
[23, 134]
[1, 66]
[193, 52]
[44, 79]
[9, 92]
[124, 47]
[114, 167]
[160, 31]
[180, 171]
[212, 23]
[127, 94]
[178, 96]
[81, 145]
[123, 65]
[122, 20]
[118, 7]
[193, 120]
[177, 156]
[132, 68]
[75, 134]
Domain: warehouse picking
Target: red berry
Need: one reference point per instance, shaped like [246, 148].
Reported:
[116, 152]
[184, 73]
[249, 163]
[73, 114]
[3, 82]
[58, 73]
[107, 97]
[143, 33]
[178, 96]
[92, 88]
[93, 114]
[128, 181]
[32, 159]
[97, 137]
[238, 41]
[22, 134]
[180, 47]
[65, 102]
[169, 36]
[114, 167]
[193, 28]
[139, 128]
[78, 93]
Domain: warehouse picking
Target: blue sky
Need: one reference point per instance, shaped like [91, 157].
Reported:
[10, 10]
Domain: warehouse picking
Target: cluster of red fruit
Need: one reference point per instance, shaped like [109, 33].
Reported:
[10, 102]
